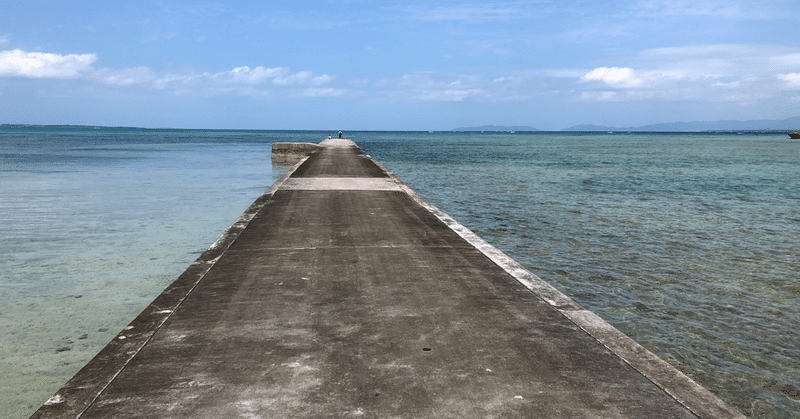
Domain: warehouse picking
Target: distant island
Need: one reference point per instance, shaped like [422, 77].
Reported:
[497, 128]
[789, 124]
[754, 125]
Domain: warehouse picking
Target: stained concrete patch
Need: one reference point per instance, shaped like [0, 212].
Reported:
[337, 143]
[341, 184]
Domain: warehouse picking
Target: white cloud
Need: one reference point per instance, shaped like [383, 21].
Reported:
[124, 77]
[430, 86]
[663, 85]
[709, 73]
[470, 12]
[722, 60]
[259, 82]
[614, 76]
[449, 95]
[279, 76]
[712, 73]
[691, 8]
[731, 85]
[711, 50]
[323, 79]
[314, 92]
[790, 81]
[714, 9]
[253, 76]
[302, 77]
[18, 63]
[787, 61]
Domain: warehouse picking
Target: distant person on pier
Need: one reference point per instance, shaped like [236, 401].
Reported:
[340, 134]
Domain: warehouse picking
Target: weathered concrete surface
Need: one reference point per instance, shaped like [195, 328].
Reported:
[342, 293]
[291, 153]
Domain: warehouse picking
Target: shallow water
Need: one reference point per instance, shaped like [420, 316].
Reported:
[688, 243]
[94, 224]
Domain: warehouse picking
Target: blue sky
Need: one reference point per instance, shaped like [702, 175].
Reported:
[397, 65]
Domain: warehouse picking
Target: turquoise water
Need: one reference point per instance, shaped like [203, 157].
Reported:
[686, 242]
[94, 224]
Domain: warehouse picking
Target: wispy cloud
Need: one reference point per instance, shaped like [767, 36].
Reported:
[725, 9]
[430, 86]
[628, 84]
[684, 8]
[158, 36]
[789, 81]
[478, 12]
[153, 30]
[319, 92]
[277, 76]
[722, 60]
[789, 61]
[244, 80]
[710, 73]
[18, 63]
[252, 76]
[716, 59]
[720, 72]
[615, 76]
[125, 76]
[258, 82]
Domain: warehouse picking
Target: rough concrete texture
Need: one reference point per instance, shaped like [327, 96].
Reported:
[339, 295]
[291, 153]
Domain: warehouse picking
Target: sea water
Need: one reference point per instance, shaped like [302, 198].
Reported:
[688, 243]
[95, 223]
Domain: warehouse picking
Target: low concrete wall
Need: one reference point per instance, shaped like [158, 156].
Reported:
[290, 153]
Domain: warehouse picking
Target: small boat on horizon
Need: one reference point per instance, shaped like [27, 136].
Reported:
[794, 135]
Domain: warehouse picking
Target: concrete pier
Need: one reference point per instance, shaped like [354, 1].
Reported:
[342, 293]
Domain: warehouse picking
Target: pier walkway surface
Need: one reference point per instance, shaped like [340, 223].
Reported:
[341, 293]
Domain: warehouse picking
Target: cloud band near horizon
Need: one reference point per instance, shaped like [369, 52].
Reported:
[665, 75]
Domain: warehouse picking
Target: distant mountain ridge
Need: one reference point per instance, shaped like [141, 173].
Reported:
[789, 124]
[497, 128]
